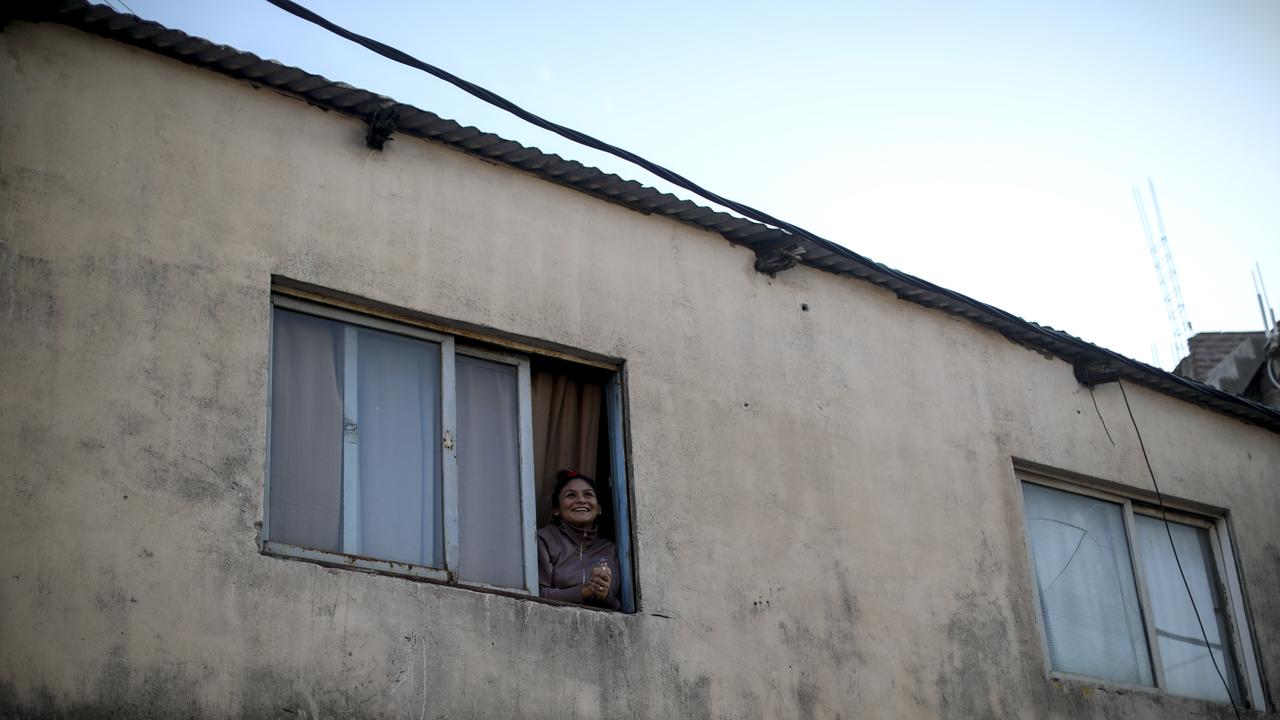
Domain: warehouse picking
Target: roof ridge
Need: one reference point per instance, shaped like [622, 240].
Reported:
[1088, 359]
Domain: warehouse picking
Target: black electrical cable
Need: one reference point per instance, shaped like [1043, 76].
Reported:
[745, 211]
[670, 176]
[1164, 515]
[498, 101]
[1100, 418]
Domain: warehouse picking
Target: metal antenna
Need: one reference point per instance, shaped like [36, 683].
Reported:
[1166, 273]
[1262, 284]
[1257, 292]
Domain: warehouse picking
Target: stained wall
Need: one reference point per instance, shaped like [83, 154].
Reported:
[827, 519]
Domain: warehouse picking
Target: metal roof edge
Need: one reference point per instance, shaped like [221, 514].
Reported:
[826, 256]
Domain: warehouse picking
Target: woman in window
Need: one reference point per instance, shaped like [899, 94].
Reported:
[574, 563]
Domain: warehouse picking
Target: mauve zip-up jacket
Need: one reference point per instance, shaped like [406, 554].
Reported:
[565, 559]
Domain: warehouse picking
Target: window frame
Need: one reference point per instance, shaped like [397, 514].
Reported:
[451, 346]
[1241, 645]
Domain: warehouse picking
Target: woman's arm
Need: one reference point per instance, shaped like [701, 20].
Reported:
[571, 594]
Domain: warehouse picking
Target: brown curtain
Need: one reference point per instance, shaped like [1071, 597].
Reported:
[566, 431]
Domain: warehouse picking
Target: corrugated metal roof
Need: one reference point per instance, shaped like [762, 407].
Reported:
[1089, 359]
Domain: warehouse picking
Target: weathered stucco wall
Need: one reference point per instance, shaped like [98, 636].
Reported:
[827, 519]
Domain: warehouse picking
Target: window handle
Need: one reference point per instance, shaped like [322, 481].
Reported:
[349, 428]
[448, 440]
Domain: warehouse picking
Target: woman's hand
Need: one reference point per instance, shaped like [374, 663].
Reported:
[598, 584]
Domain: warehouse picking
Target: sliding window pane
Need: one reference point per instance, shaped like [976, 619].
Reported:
[489, 518]
[1088, 597]
[1188, 666]
[399, 463]
[306, 431]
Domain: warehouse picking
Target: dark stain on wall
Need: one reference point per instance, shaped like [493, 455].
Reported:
[807, 699]
[695, 695]
[120, 691]
[184, 474]
[978, 644]
[28, 297]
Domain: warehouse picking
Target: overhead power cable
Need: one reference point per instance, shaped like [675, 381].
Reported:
[567, 132]
[978, 310]
[674, 178]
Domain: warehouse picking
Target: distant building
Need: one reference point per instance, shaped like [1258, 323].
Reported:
[1242, 363]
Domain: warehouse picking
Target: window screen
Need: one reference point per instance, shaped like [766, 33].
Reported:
[1088, 596]
[1188, 668]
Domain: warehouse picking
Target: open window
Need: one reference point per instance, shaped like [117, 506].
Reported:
[400, 447]
[1113, 601]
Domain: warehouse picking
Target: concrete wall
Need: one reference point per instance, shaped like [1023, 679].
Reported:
[827, 519]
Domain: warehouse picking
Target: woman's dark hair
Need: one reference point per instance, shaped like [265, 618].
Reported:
[562, 478]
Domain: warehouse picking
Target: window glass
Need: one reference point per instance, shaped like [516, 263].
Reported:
[1088, 597]
[1188, 667]
[306, 431]
[399, 464]
[394, 448]
[355, 417]
[488, 450]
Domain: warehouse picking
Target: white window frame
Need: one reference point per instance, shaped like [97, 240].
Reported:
[449, 349]
[1241, 637]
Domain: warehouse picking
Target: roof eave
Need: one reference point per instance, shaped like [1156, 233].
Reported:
[828, 257]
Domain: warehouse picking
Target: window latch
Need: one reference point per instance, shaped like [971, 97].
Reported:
[349, 428]
[448, 440]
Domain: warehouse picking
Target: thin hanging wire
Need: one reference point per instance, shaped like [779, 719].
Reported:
[1164, 515]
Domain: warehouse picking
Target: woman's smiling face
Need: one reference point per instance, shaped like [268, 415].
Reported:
[578, 505]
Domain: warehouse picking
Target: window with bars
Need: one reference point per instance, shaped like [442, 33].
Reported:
[401, 449]
[1112, 601]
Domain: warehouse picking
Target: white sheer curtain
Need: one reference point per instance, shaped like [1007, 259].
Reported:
[306, 431]
[397, 415]
[1088, 596]
[399, 468]
[489, 517]
[1188, 668]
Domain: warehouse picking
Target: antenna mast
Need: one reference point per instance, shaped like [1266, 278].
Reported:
[1264, 302]
[1166, 273]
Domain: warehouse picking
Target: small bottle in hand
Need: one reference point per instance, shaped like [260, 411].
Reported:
[601, 577]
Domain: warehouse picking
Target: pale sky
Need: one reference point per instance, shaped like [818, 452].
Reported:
[988, 147]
